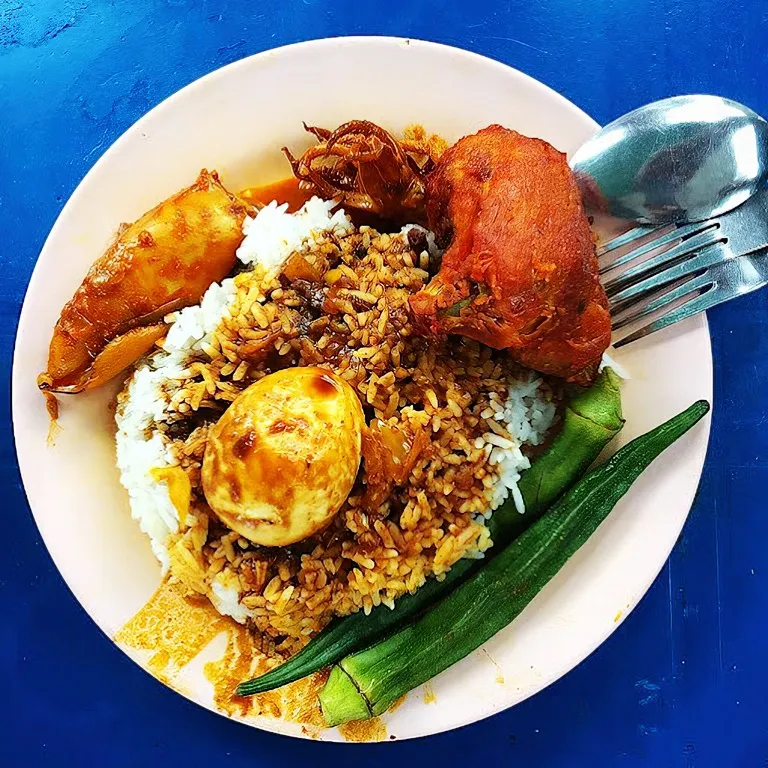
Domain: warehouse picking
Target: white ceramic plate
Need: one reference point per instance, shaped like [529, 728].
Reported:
[236, 120]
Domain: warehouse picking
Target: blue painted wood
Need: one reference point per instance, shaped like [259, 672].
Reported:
[682, 682]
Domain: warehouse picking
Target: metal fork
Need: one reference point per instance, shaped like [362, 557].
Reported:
[657, 277]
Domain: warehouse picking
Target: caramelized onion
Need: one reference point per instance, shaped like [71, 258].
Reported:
[366, 169]
[390, 454]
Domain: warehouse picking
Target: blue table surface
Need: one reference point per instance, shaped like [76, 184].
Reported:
[683, 680]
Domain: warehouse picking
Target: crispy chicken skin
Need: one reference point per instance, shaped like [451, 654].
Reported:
[163, 261]
[520, 271]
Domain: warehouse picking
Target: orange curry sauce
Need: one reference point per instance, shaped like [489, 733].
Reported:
[284, 191]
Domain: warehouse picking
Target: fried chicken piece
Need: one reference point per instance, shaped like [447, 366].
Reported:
[520, 271]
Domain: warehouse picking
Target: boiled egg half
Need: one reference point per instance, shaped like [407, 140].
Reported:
[283, 458]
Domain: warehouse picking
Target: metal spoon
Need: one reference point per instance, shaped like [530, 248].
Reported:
[681, 159]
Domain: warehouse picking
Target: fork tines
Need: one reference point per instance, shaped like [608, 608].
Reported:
[649, 272]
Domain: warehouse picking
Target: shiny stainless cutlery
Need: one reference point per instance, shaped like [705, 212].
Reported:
[701, 159]
[657, 277]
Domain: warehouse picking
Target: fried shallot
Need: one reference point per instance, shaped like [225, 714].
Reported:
[367, 169]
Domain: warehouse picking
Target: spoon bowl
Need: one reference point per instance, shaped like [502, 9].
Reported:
[682, 159]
